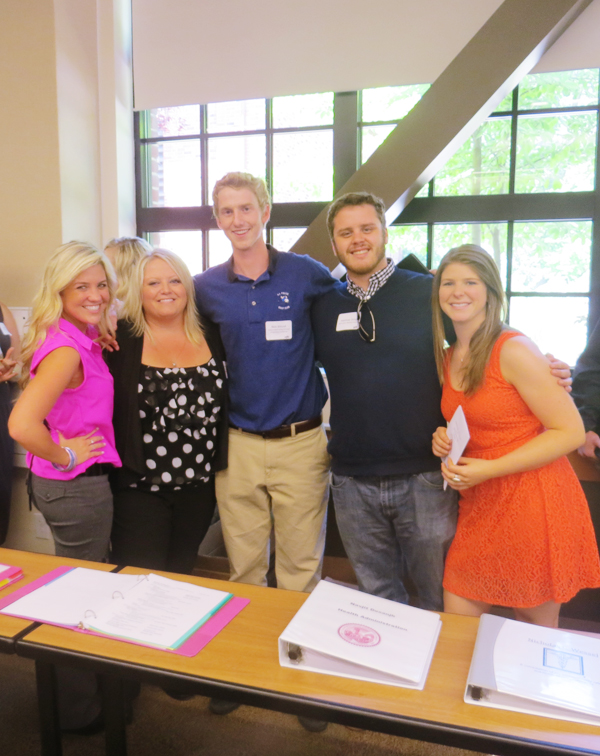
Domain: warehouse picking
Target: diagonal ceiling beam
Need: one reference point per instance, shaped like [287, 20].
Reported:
[502, 52]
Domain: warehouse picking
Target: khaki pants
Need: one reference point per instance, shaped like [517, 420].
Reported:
[280, 483]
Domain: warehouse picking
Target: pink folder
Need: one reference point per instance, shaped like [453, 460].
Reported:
[9, 575]
[190, 647]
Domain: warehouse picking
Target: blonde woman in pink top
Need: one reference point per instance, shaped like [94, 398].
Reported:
[64, 415]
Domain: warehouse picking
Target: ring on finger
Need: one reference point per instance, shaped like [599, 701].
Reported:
[456, 478]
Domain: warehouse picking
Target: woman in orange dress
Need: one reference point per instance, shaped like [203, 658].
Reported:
[524, 537]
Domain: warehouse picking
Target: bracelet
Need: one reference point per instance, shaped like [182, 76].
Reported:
[72, 461]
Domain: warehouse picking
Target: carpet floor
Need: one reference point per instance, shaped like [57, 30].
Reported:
[164, 727]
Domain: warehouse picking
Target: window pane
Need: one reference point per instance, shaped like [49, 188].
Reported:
[563, 89]
[491, 236]
[285, 238]
[404, 240]
[556, 324]
[240, 115]
[174, 170]
[390, 103]
[219, 248]
[303, 166]
[552, 256]
[303, 110]
[556, 153]
[180, 121]
[505, 105]
[481, 165]
[240, 153]
[186, 244]
[372, 137]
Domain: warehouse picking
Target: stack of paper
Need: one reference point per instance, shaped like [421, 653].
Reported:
[146, 609]
[535, 669]
[9, 575]
[340, 631]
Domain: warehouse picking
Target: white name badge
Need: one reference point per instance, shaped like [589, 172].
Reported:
[4, 329]
[278, 330]
[347, 321]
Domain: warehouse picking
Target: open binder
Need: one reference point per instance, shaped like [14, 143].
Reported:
[147, 610]
[536, 670]
[341, 631]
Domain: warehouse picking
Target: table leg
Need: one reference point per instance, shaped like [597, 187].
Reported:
[48, 709]
[113, 705]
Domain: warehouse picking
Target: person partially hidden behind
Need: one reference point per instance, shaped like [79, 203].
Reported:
[586, 394]
[524, 538]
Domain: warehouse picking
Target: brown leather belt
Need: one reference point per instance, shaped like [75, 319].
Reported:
[285, 431]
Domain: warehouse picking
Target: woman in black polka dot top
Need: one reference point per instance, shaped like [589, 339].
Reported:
[170, 419]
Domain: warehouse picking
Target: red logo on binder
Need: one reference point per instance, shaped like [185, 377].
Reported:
[359, 635]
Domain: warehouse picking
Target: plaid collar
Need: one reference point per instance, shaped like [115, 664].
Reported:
[376, 281]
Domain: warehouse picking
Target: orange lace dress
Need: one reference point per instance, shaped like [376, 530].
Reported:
[526, 538]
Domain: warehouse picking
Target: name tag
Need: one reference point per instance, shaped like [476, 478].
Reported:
[4, 329]
[278, 330]
[347, 321]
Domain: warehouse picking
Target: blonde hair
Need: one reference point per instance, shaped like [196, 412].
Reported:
[484, 338]
[63, 267]
[240, 180]
[128, 250]
[133, 310]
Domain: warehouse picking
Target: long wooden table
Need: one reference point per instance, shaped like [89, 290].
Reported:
[33, 566]
[241, 664]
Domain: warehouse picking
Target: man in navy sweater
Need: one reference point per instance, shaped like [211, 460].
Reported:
[373, 336]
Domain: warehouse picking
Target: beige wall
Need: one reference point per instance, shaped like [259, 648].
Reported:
[66, 163]
[66, 153]
[30, 202]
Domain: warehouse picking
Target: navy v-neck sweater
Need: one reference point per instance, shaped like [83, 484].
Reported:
[385, 395]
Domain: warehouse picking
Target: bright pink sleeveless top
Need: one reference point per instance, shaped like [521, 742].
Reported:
[80, 410]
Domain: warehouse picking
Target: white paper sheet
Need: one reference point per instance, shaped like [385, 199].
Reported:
[158, 611]
[66, 600]
[458, 432]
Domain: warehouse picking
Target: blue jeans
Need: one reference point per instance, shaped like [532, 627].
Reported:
[394, 527]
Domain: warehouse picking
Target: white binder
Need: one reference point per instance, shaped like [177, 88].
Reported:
[536, 670]
[340, 631]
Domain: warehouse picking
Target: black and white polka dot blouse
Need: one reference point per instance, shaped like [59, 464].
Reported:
[179, 413]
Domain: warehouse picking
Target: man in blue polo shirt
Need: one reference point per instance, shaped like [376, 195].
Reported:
[278, 462]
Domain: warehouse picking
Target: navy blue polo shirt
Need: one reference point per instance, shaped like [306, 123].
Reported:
[266, 330]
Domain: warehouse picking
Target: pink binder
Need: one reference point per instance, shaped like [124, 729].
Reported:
[190, 647]
[9, 575]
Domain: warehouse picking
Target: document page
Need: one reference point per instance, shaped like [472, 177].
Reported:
[458, 432]
[158, 611]
[551, 666]
[67, 600]
[366, 630]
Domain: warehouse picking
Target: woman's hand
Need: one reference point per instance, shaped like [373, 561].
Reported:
[441, 444]
[592, 443]
[468, 472]
[561, 371]
[7, 366]
[84, 447]
[108, 342]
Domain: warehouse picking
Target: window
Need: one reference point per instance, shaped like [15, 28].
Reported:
[524, 186]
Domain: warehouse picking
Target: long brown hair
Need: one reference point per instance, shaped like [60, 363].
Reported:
[484, 338]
